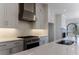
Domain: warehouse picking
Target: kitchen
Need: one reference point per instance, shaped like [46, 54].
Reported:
[39, 29]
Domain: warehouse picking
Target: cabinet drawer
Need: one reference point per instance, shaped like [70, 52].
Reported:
[17, 43]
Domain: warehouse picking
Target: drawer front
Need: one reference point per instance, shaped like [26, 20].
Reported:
[17, 43]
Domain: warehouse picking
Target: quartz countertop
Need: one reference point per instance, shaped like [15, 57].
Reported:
[9, 39]
[52, 49]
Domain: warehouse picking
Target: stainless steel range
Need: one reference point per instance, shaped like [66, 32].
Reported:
[30, 42]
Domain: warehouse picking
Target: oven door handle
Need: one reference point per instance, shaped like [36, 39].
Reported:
[32, 42]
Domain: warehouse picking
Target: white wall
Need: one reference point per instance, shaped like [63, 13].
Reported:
[74, 20]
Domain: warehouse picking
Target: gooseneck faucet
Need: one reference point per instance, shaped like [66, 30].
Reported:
[74, 31]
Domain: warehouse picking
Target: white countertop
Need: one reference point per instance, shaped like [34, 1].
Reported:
[52, 49]
[9, 39]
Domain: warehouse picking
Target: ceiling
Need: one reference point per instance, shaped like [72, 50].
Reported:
[70, 10]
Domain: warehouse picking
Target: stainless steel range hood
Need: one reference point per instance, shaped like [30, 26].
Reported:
[28, 16]
[27, 11]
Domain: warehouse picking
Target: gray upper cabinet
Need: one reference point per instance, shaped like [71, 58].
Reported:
[41, 16]
[9, 15]
[2, 15]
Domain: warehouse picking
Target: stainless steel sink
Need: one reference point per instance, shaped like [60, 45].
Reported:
[65, 42]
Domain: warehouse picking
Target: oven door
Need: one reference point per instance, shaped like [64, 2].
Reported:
[31, 45]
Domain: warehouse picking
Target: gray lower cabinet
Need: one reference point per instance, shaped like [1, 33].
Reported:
[16, 49]
[4, 52]
[12, 47]
[43, 40]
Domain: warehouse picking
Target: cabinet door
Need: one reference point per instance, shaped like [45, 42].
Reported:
[8, 15]
[41, 17]
[17, 49]
[17, 46]
[43, 40]
[4, 52]
[2, 15]
[11, 17]
[14, 50]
